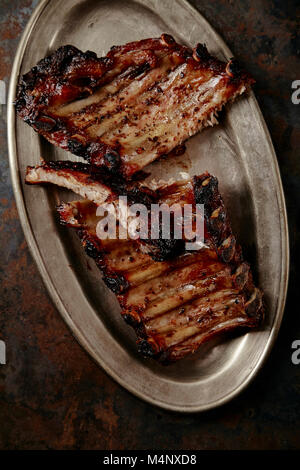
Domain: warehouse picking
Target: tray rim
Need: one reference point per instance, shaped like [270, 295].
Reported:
[34, 249]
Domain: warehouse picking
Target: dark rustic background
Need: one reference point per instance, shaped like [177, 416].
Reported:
[52, 395]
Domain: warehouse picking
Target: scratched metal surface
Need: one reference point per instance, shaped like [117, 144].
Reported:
[49, 395]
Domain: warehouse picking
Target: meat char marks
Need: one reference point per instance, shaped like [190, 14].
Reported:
[126, 109]
[89, 182]
[100, 189]
[121, 112]
[178, 304]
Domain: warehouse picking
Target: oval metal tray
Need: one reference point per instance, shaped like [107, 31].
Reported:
[238, 151]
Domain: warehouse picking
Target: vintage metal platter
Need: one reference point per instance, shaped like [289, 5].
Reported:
[239, 152]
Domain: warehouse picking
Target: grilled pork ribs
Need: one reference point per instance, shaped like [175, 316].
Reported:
[121, 112]
[175, 305]
[124, 110]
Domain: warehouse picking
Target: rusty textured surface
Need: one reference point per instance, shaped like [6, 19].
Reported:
[52, 395]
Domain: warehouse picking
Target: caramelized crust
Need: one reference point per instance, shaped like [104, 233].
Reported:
[123, 111]
[100, 188]
[178, 304]
[89, 182]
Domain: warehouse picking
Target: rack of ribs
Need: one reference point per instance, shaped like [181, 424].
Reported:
[178, 304]
[122, 111]
[101, 189]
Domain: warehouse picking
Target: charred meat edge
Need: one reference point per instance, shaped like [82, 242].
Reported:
[70, 76]
[227, 252]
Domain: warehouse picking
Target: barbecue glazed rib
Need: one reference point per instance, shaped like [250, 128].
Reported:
[83, 180]
[88, 181]
[175, 305]
[100, 188]
[124, 110]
